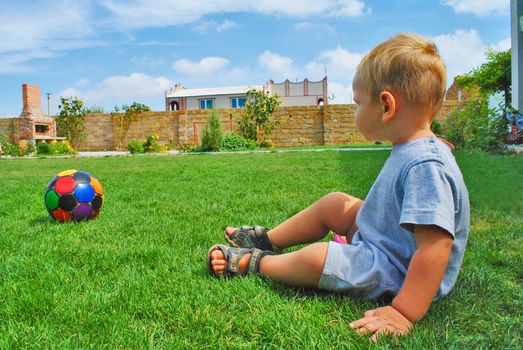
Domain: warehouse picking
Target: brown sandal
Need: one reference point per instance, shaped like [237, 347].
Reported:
[251, 237]
[233, 257]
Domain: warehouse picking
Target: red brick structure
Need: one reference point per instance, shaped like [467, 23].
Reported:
[34, 123]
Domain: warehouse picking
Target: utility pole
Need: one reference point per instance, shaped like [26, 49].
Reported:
[49, 104]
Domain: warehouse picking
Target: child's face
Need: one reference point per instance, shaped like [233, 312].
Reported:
[368, 113]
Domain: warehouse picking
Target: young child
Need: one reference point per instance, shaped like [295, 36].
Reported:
[407, 239]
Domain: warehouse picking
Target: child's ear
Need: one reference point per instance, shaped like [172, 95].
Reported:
[388, 103]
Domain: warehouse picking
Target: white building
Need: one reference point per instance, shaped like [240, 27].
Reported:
[304, 93]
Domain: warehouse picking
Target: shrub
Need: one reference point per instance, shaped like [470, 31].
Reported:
[151, 144]
[266, 144]
[55, 148]
[212, 135]
[436, 127]
[135, 146]
[476, 127]
[43, 148]
[235, 142]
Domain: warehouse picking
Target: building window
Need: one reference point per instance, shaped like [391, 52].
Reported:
[206, 104]
[238, 102]
[174, 106]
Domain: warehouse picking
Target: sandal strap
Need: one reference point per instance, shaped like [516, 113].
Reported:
[253, 237]
[254, 262]
[233, 256]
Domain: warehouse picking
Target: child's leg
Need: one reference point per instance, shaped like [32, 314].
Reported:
[302, 268]
[335, 211]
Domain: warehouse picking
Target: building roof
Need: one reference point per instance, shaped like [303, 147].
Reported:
[239, 90]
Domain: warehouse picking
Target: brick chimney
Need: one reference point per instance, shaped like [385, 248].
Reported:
[32, 101]
[34, 123]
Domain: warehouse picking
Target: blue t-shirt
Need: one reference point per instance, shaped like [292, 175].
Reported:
[420, 183]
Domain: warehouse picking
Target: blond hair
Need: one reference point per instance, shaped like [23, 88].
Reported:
[408, 65]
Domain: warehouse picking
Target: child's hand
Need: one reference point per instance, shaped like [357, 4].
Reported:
[380, 321]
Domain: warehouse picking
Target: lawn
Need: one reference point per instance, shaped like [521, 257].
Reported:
[135, 278]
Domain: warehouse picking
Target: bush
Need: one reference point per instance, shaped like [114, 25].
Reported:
[23, 148]
[212, 135]
[266, 144]
[151, 144]
[43, 148]
[436, 127]
[476, 127]
[234, 142]
[135, 146]
[55, 148]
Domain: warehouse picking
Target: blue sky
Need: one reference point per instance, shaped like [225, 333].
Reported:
[114, 52]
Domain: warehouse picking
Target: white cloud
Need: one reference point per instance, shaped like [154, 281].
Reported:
[341, 67]
[218, 27]
[480, 7]
[41, 29]
[276, 64]
[18, 62]
[339, 63]
[351, 8]
[464, 50]
[502, 45]
[205, 67]
[113, 90]
[342, 93]
[157, 13]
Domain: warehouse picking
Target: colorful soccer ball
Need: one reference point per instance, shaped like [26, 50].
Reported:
[74, 195]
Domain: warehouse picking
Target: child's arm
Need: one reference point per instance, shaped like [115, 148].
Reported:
[424, 275]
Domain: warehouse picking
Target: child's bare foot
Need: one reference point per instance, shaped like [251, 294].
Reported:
[229, 230]
[219, 263]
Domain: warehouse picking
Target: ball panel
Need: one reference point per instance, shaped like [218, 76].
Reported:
[81, 212]
[96, 185]
[61, 215]
[65, 185]
[97, 202]
[67, 202]
[66, 172]
[51, 200]
[84, 192]
[82, 176]
[52, 183]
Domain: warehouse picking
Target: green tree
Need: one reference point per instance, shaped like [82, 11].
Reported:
[70, 120]
[476, 126]
[493, 76]
[212, 135]
[257, 121]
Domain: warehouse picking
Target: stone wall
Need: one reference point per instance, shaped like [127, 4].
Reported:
[300, 126]
[6, 127]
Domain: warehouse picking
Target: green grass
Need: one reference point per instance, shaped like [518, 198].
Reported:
[135, 278]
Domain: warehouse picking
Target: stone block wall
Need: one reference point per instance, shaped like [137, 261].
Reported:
[99, 133]
[6, 127]
[300, 126]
